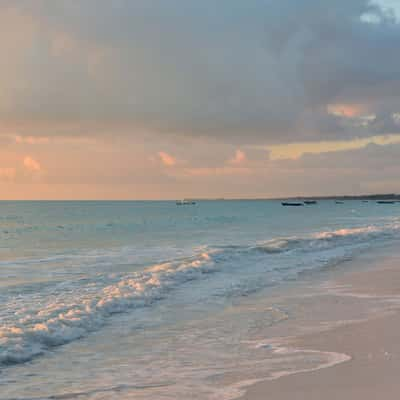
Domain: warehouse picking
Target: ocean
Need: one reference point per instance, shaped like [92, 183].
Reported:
[150, 300]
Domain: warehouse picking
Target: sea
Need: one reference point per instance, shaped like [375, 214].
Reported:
[151, 300]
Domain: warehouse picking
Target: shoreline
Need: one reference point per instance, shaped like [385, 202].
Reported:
[367, 349]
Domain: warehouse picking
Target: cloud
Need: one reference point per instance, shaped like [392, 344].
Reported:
[31, 139]
[296, 150]
[345, 110]
[261, 72]
[31, 164]
[122, 169]
[240, 157]
[167, 159]
[257, 98]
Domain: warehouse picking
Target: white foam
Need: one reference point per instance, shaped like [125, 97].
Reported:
[58, 323]
[328, 239]
[81, 307]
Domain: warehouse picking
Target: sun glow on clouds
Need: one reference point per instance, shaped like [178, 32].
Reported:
[31, 164]
[352, 115]
[240, 157]
[167, 159]
[296, 150]
[345, 110]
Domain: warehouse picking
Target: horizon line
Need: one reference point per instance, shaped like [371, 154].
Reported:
[327, 197]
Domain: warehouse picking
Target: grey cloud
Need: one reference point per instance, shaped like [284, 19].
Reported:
[373, 157]
[256, 71]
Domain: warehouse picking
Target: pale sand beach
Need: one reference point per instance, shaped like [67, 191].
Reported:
[370, 348]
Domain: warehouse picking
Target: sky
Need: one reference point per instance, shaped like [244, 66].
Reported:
[156, 99]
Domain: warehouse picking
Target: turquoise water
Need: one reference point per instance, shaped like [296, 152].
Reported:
[144, 299]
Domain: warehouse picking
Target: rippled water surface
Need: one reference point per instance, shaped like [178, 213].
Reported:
[153, 300]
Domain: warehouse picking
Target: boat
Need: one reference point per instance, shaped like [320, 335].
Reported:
[310, 202]
[386, 202]
[290, 204]
[365, 201]
[339, 202]
[185, 202]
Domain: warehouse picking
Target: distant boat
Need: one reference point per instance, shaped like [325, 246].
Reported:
[310, 202]
[286, 204]
[339, 202]
[386, 202]
[185, 202]
[365, 201]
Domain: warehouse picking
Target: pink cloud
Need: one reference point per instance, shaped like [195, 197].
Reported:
[346, 110]
[240, 157]
[167, 159]
[31, 164]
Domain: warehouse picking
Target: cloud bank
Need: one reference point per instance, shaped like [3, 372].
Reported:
[256, 71]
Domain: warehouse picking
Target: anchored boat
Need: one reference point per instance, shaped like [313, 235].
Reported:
[291, 204]
[185, 202]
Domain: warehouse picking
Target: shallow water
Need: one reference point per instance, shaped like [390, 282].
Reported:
[147, 299]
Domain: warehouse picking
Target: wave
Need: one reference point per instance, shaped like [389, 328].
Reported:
[326, 239]
[76, 311]
[59, 323]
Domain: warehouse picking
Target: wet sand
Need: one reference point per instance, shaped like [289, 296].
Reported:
[371, 347]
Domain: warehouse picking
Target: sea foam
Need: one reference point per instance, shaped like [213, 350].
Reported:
[76, 310]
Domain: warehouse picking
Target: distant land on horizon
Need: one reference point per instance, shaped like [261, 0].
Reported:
[384, 196]
[376, 196]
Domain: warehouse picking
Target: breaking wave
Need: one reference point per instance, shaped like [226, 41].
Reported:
[72, 311]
